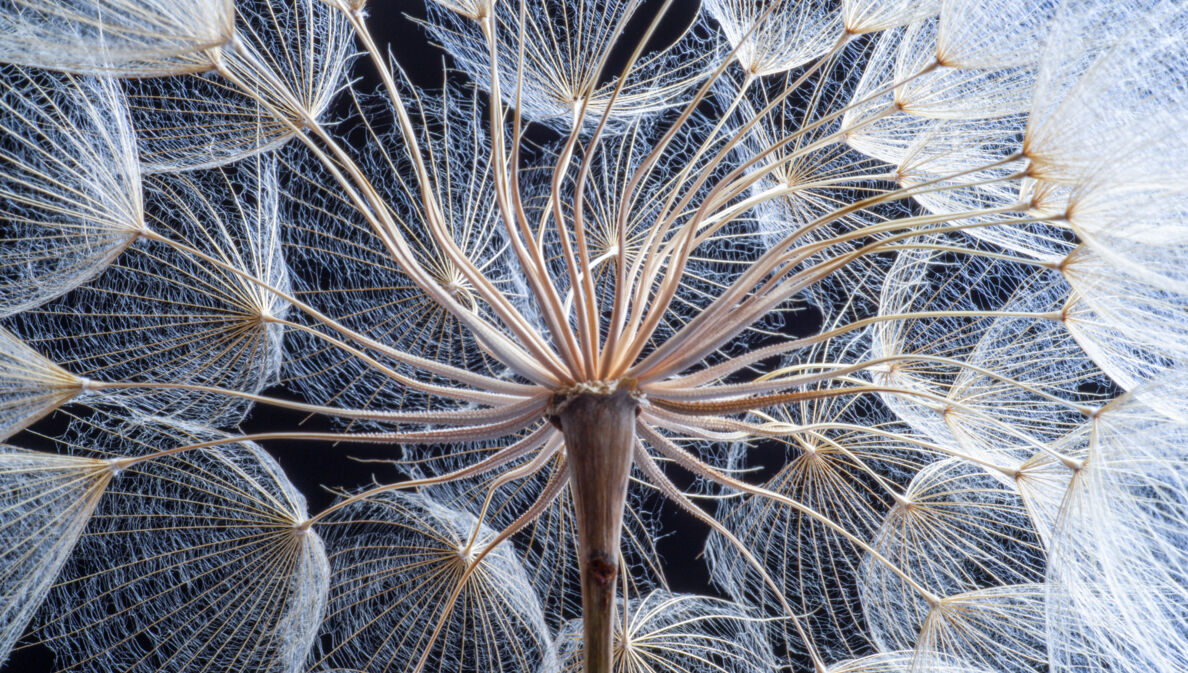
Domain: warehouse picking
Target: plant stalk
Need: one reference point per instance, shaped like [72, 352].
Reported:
[599, 431]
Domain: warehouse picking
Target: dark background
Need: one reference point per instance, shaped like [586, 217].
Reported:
[316, 467]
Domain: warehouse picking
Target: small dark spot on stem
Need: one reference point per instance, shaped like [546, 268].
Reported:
[603, 570]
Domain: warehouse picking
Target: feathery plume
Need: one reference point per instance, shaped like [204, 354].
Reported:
[135, 38]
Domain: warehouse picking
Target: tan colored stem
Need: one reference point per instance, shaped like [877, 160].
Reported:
[599, 434]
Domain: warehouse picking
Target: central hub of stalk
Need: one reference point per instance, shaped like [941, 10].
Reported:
[599, 429]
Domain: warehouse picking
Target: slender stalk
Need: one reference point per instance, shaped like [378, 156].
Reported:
[452, 417]
[599, 431]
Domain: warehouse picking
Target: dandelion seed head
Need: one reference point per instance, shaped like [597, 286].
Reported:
[887, 297]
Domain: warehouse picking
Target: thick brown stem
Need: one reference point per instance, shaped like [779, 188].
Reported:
[599, 434]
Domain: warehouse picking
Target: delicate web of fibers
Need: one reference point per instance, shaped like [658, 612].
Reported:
[196, 323]
[69, 183]
[395, 553]
[565, 44]
[189, 560]
[124, 36]
[896, 289]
